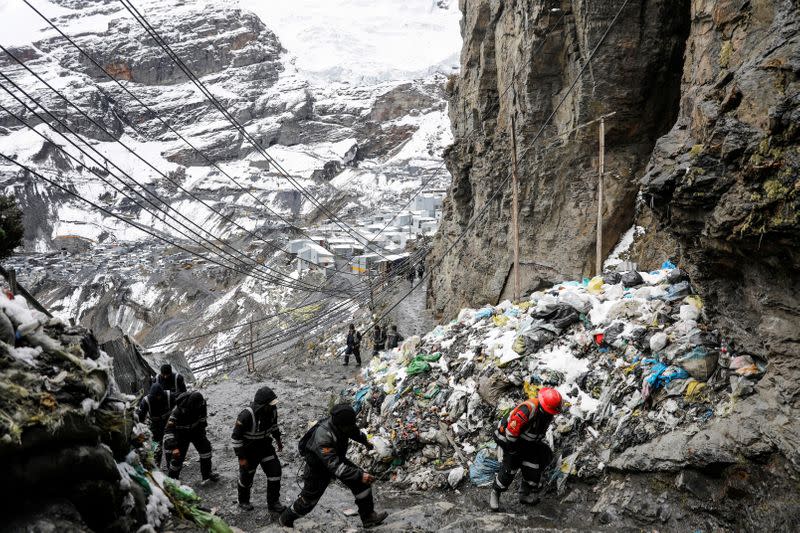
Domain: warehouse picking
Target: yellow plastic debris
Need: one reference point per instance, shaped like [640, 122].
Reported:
[693, 390]
[530, 390]
[524, 306]
[695, 301]
[595, 285]
[500, 320]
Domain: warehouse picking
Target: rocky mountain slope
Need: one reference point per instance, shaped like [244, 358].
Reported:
[354, 142]
[702, 155]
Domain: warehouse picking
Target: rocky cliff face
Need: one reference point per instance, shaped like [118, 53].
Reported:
[702, 153]
[724, 181]
[353, 146]
[519, 58]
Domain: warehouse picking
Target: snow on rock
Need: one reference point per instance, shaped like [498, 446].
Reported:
[361, 40]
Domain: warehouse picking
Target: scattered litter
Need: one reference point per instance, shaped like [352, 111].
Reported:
[629, 351]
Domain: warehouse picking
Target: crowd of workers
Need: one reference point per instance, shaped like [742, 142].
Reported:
[177, 418]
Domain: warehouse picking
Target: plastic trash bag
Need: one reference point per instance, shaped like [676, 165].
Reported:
[455, 476]
[689, 312]
[382, 447]
[582, 303]
[417, 366]
[485, 312]
[595, 285]
[360, 396]
[661, 374]
[658, 341]
[531, 390]
[500, 320]
[699, 363]
[678, 291]
[676, 276]
[421, 363]
[631, 279]
[483, 470]
[668, 265]
[209, 521]
[559, 315]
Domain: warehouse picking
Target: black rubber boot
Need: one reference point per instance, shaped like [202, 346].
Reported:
[374, 519]
[527, 495]
[288, 517]
[276, 507]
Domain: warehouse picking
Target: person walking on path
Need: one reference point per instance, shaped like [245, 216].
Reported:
[324, 448]
[187, 425]
[255, 429]
[353, 346]
[520, 435]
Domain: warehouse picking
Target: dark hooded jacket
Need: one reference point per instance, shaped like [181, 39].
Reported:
[325, 447]
[188, 417]
[156, 406]
[256, 425]
[174, 383]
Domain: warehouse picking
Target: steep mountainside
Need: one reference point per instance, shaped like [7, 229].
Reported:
[520, 58]
[353, 142]
[705, 163]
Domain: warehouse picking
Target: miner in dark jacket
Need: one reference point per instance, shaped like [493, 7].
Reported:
[393, 338]
[187, 425]
[253, 433]
[520, 434]
[171, 381]
[324, 448]
[378, 340]
[156, 408]
[353, 346]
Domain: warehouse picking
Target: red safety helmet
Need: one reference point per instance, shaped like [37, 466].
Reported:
[550, 400]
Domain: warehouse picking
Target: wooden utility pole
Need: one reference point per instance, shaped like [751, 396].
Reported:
[515, 206]
[601, 163]
[12, 281]
[371, 291]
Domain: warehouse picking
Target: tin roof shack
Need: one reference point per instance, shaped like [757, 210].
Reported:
[361, 264]
[313, 254]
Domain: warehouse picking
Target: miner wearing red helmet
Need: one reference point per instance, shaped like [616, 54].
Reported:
[520, 434]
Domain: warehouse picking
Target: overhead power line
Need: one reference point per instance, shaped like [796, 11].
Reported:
[241, 129]
[187, 233]
[180, 136]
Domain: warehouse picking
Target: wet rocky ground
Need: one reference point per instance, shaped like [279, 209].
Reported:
[306, 390]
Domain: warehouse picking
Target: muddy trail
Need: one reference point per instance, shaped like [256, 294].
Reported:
[306, 390]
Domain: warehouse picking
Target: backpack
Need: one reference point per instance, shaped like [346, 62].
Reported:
[301, 446]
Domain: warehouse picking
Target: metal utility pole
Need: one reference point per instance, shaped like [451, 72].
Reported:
[601, 163]
[515, 207]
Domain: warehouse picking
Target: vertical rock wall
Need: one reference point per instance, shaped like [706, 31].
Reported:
[520, 57]
[724, 180]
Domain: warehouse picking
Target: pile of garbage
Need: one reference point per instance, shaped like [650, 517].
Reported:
[72, 455]
[632, 353]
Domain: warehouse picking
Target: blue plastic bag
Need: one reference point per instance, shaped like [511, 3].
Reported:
[361, 395]
[483, 470]
[486, 312]
[668, 265]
